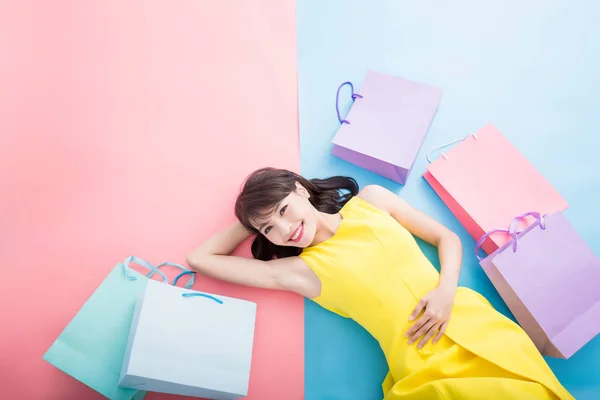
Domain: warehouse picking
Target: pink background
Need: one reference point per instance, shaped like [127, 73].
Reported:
[126, 128]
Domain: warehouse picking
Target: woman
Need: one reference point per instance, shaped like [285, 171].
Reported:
[354, 254]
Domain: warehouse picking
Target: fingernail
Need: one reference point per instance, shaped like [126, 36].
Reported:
[420, 346]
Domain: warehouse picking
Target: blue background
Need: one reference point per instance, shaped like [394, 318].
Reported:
[530, 68]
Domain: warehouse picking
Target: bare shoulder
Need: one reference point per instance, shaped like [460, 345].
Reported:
[295, 275]
[382, 198]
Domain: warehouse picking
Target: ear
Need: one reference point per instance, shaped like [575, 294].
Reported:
[302, 190]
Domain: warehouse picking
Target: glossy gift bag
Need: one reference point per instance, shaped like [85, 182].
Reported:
[485, 181]
[92, 346]
[189, 343]
[386, 124]
[550, 279]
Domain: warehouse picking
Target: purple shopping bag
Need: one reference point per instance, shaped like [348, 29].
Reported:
[550, 279]
[386, 125]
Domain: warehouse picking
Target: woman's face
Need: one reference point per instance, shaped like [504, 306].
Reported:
[293, 222]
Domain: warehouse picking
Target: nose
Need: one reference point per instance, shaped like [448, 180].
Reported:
[286, 228]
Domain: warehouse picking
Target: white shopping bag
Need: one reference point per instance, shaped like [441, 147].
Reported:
[189, 343]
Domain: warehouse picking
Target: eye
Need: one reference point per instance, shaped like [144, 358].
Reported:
[282, 210]
[267, 229]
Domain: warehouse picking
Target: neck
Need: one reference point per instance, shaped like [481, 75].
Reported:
[327, 226]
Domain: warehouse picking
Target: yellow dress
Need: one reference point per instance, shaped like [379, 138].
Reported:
[373, 271]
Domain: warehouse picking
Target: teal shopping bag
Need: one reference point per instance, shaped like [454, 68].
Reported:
[92, 346]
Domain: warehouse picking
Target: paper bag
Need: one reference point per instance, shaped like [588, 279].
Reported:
[485, 181]
[92, 345]
[386, 124]
[549, 278]
[189, 343]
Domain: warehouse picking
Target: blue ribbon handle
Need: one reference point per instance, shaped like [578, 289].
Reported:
[199, 294]
[193, 293]
[185, 270]
[155, 270]
[133, 259]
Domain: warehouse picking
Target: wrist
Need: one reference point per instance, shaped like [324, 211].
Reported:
[448, 286]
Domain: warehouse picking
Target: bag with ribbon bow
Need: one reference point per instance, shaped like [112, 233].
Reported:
[549, 278]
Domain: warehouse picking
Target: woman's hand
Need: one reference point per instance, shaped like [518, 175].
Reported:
[438, 307]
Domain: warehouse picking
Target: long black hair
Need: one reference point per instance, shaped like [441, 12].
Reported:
[265, 188]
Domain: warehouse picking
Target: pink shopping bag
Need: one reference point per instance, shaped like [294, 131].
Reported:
[485, 181]
[386, 125]
[549, 278]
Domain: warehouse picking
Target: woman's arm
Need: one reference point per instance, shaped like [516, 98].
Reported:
[438, 303]
[213, 258]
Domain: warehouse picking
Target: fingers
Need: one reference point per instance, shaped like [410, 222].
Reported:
[422, 330]
[440, 333]
[420, 306]
[429, 335]
[417, 325]
[427, 315]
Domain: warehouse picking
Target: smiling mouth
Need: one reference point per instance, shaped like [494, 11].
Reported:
[297, 235]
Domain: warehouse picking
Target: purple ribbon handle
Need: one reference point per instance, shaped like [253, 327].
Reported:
[513, 224]
[512, 231]
[488, 234]
[337, 100]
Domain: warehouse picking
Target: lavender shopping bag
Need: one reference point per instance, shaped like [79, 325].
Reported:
[386, 125]
[550, 279]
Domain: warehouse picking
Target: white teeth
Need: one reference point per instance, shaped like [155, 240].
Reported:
[296, 234]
